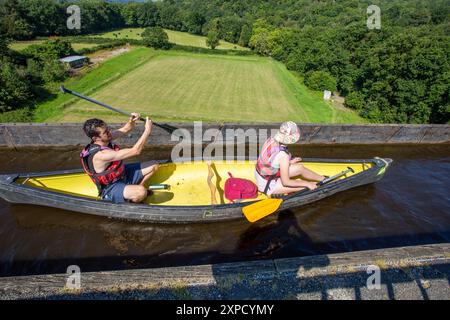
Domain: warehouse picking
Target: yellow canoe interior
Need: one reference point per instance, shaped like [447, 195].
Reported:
[188, 181]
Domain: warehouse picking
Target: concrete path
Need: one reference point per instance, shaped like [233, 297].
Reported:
[420, 272]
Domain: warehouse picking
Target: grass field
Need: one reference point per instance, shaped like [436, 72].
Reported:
[99, 77]
[178, 86]
[21, 45]
[182, 38]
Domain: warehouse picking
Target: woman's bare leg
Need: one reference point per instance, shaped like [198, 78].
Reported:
[280, 189]
[298, 169]
[294, 171]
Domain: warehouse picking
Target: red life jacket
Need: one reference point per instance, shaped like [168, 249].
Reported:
[113, 173]
[268, 153]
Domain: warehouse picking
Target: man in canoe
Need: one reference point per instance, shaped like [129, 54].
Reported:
[103, 161]
[275, 167]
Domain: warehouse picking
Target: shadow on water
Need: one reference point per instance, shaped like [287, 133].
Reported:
[121, 245]
[409, 206]
[257, 280]
[272, 239]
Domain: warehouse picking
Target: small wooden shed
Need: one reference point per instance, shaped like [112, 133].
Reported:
[75, 61]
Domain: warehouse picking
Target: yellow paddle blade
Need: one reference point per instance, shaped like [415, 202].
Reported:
[261, 209]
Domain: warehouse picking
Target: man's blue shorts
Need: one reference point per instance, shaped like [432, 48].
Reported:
[114, 192]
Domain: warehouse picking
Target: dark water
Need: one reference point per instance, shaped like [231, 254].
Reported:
[409, 206]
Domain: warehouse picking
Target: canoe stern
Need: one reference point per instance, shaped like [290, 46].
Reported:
[7, 187]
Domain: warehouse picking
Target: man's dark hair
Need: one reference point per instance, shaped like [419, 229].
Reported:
[91, 125]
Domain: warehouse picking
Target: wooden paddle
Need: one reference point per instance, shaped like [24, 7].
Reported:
[211, 185]
[170, 129]
[263, 208]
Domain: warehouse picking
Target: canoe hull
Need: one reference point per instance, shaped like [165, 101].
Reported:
[17, 193]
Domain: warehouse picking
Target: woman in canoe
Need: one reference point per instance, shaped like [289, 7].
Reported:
[275, 167]
[103, 161]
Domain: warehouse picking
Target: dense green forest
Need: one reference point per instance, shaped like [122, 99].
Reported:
[397, 74]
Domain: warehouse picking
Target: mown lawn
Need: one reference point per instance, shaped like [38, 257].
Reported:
[179, 86]
[102, 75]
[21, 45]
[182, 38]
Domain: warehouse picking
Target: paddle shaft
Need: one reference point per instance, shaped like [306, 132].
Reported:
[159, 187]
[321, 183]
[163, 126]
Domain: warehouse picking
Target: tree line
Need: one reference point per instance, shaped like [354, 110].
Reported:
[398, 74]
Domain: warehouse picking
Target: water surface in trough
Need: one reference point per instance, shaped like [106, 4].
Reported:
[409, 206]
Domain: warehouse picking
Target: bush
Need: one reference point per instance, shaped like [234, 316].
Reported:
[86, 39]
[34, 71]
[212, 40]
[15, 89]
[3, 44]
[53, 71]
[52, 49]
[355, 100]
[320, 80]
[215, 51]
[110, 45]
[295, 62]
[156, 37]
[19, 115]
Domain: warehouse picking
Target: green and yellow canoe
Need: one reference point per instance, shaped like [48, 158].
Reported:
[191, 197]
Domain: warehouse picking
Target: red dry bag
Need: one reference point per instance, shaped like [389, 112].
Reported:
[237, 188]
